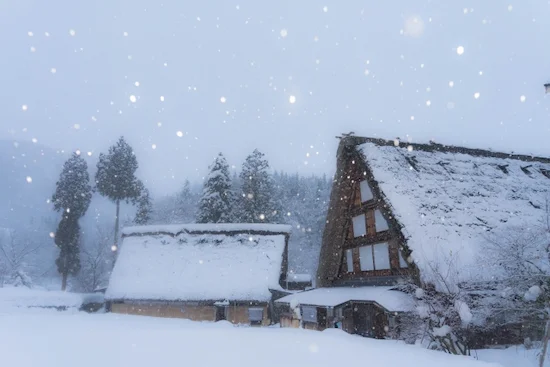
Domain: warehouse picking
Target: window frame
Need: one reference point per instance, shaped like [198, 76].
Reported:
[357, 219]
[255, 321]
[313, 317]
[372, 255]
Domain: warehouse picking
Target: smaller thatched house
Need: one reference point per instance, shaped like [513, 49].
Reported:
[202, 272]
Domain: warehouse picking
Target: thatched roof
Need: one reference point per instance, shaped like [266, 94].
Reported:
[200, 262]
[446, 200]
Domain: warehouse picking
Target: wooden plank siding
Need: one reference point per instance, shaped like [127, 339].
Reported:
[345, 204]
[236, 314]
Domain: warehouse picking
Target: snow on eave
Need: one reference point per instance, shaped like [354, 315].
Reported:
[385, 296]
[213, 228]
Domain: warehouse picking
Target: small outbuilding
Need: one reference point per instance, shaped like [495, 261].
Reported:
[201, 272]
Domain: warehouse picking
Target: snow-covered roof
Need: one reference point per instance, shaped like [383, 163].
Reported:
[169, 263]
[449, 199]
[391, 300]
[176, 229]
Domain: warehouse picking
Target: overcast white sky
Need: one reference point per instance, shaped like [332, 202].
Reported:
[379, 68]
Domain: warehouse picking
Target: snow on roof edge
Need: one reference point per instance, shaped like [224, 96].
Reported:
[196, 228]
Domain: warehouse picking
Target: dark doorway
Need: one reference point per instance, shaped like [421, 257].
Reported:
[221, 313]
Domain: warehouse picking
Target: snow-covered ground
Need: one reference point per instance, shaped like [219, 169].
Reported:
[35, 336]
[50, 338]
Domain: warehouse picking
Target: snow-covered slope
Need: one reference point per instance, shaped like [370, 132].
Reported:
[448, 202]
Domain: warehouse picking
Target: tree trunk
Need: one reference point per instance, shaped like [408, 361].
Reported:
[116, 224]
[64, 281]
[544, 344]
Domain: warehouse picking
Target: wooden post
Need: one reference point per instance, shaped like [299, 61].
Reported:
[544, 343]
[64, 281]
[116, 224]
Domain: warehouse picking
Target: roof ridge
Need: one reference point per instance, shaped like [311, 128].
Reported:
[436, 147]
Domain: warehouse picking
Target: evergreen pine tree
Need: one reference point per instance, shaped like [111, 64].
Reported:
[185, 205]
[216, 202]
[144, 206]
[67, 238]
[72, 197]
[115, 177]
[257, 203]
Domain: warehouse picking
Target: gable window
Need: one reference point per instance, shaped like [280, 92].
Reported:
[349, 260]
[380, 222]
[402, 262]
[309, 314]
[359, 226]
[374, 257]
[255, 315]
[366, 192]
[365, 258]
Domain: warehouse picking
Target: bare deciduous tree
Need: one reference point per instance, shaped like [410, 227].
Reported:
[15, 251]
[97, 260]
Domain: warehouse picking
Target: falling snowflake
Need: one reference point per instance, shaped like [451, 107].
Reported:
[292, 99]
[76, 126]
[29, 179]
[77, 152]
[72, 32]
[52, 235]
[476, 95]
[133, 99]
[34, 140]
[89, 154]
[451, 84]
[510, 7]
[30, 34]
[262, 216]
[412, 118]
[284, 33]
[522, 98]
[428, 103]
[154, 146]
[33, 49]
[325, 9]
[410, 148]
[24, 107]
[114, 248]
[414, 27]
[162, 98]
[125, 34]
[47, 34]
[136, 84]
[53, 70]
[460, 50]
[223, 100]
[179, 134]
